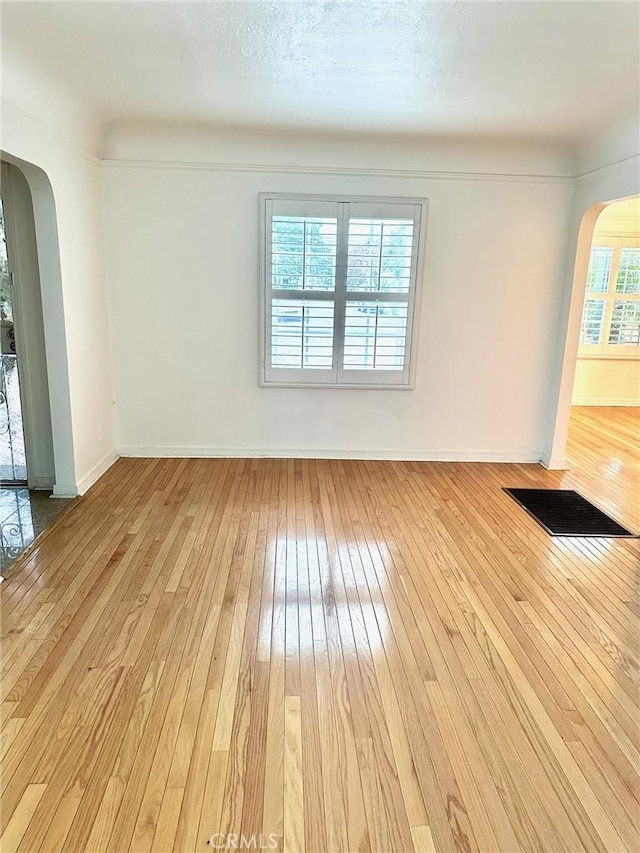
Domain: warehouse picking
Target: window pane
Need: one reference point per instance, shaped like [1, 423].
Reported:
[302, 333]
[303, 252]
[375, 335]
[592, 320]
[628, 279]
[379, 255]
[625, 323]
[599, 269]
[6, 309]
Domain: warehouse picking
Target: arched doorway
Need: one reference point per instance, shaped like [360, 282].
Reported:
[36, 453]
[573, 331]
[48, 383]
[26, 452]
[608, 367]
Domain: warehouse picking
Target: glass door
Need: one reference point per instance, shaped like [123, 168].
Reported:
[13, 461]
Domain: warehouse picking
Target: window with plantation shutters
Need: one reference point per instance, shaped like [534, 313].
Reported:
[339, 280]
[611, 315]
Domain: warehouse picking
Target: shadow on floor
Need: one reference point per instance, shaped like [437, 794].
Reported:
[24, 515]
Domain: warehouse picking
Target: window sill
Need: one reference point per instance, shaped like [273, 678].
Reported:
[336, 387]
[606, 357]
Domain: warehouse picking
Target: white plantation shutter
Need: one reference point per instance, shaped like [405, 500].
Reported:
[339, 290]
[628, 278]
[375, 335]
[592, 321]
[625, 323]
[611, 314]
[599, 269]
[302, 333]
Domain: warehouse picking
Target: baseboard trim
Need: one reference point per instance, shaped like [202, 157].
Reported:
[555, 463]
[42, 483]
[413, 455]
[65, 490]
[96, 472]
[604, 401]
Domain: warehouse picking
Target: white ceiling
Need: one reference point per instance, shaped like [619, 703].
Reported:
[537, 69]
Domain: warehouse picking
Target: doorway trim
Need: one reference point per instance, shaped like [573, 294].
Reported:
[27, 379]
[46, 230]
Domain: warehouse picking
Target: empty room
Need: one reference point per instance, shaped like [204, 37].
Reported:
[320, 426]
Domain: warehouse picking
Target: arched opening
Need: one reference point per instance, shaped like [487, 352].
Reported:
[34, 189]
[26, 448]
[602, 324]
[608, 355]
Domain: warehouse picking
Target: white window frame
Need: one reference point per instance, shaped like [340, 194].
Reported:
[338, 376]
[604, 349]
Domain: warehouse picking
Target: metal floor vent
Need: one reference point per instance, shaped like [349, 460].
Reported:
[563, 512]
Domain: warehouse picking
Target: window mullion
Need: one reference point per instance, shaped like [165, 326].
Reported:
[341, 290]
[611, 296]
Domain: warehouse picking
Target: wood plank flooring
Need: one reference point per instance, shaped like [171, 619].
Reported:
[604, 452]
[326, 656]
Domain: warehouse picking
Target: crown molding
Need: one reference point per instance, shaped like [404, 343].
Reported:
[204, 166]
[12, 107]
[267, 168]
[213, 166]
[607, 166]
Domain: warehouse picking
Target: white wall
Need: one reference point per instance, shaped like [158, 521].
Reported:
[74, 294]
[182, 247]
[607, 382]
[328, 153]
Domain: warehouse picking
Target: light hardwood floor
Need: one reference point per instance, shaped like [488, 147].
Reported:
[351, 656]
[603, 451]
